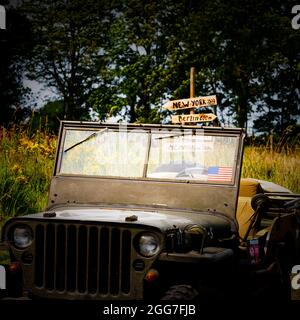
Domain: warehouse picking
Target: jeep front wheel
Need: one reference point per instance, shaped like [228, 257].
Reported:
[180, 292]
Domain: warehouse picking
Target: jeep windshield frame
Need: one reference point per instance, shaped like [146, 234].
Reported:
[147, 182]
[193, 155]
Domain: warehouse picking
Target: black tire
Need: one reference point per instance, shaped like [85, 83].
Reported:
[180, 292]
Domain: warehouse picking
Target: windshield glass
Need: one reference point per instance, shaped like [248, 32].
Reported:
[157, 154]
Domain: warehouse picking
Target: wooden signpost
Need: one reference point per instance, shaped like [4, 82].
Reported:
[176, 105]
[192, 103]
[190, 118]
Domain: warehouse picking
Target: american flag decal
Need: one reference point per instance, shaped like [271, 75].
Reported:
[223, 174]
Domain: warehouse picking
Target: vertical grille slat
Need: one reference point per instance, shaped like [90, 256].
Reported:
[55, 256]
[83, 259]
[60, 258]
[93, 260]
[66, 257]
[87, 259]
[115, 261]
[71, 259]
[104, 261]
[120, 258]
[125, 260]
[50, 253]
[39, 255]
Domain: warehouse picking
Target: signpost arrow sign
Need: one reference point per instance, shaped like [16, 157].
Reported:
[187, 118]
[190, 103]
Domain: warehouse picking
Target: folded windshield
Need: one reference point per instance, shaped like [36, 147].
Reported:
[150, 154]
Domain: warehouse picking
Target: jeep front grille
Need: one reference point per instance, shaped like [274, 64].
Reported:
[83, 259]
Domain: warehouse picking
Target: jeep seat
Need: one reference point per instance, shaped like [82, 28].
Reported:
[248, 189]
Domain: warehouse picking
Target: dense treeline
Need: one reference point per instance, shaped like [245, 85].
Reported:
[127, 57]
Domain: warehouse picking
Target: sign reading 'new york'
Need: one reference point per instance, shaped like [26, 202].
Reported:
[191, 103]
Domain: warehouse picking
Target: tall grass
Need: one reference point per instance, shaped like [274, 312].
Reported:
[282, 167]
[26, 162]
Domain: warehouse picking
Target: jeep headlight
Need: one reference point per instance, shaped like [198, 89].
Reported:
[22, 236]
[148, 244]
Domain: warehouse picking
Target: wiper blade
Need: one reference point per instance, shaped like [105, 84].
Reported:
[86, 139]
[177, 135]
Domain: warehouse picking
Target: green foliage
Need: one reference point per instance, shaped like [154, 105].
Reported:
[68, 37]
[137, 73]
[25, 170]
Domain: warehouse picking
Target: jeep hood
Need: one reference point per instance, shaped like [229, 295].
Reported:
[215, 224]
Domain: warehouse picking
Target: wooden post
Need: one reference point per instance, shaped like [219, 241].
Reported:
[271, 140]
[192, 86]
[192, 103]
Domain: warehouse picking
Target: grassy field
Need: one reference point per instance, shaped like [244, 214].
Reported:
[282, 167]
[26, 162]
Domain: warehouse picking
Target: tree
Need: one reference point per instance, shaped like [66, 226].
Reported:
[68, 51]
[248, 54]
[138, 72]
[126, 57]
[281, 76]
[15, 47]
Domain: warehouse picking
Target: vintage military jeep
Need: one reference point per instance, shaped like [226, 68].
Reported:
[149, 212]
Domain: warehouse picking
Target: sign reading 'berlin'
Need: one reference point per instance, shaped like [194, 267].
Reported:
[187, 118]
